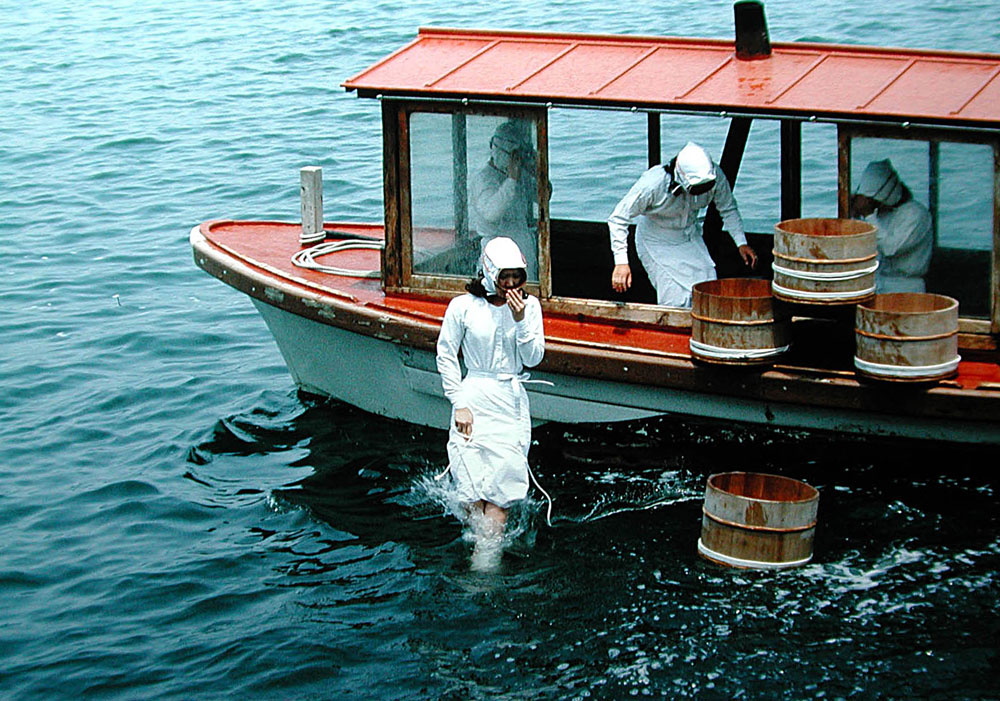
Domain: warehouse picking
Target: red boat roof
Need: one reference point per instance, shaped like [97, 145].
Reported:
[798, 79]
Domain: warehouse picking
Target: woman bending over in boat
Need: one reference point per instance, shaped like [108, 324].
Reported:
[498, 329]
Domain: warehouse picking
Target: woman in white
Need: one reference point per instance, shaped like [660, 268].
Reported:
[503, 192]
[905, 232]
[498, 329]
[667, 199]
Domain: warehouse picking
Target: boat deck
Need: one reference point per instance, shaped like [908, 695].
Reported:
[825, 353]
[270, 246]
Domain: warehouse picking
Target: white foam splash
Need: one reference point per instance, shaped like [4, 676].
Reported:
[488, 549]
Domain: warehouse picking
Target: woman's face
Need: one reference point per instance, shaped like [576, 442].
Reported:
[862, 206]
[511, 278]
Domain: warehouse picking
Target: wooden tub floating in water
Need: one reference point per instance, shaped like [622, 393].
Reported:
[758, 521]
[907, 337]
[824, 261]
[736, 321]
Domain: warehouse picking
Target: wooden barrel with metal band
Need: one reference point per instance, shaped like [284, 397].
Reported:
[759, 521]
[824, 261]
[735, 321]
[907, 337]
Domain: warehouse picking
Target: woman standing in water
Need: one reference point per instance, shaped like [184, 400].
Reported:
[498, 329]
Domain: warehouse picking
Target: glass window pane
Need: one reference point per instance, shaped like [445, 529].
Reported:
[594, 157]
[503, 182]
[933, 206]
[819, 170]
[472, 177]
[965, 199]
[757, 189]
[962, 259]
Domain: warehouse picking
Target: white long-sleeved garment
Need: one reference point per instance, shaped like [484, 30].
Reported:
[502, 206]
[492, 465]
[667, 237]
[905, 242]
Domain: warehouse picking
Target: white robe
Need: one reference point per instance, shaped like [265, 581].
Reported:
[905, 242]
[502, 206]
[492, 465]
[667, 236]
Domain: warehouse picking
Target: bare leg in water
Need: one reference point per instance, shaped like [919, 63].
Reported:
[488, 521]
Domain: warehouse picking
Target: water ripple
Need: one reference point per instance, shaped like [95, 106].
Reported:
[178, 522]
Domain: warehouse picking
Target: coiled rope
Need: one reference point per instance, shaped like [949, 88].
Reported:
[306, 258]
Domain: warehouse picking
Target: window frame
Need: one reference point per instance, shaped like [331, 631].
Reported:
[399, 275]
[846, 133]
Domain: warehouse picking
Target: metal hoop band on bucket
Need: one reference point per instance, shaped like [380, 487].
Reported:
[750, 564]
[849, 296]
[718, 353]
[907, 371]
[832, 276]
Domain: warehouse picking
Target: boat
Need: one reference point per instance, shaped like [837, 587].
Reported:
[355, 307]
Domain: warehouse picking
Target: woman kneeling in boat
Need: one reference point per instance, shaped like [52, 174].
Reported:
[498, 329]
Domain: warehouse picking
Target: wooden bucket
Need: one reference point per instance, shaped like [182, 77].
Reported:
[907, 337]
[755, 520]
[734, 321]
[824, 261]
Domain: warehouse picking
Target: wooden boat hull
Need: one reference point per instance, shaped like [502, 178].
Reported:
[401, 382]
[379, 356]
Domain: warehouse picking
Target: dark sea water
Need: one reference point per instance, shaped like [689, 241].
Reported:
[177, 522]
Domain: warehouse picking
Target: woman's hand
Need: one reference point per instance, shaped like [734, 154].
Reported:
[514, 166]
[621, 278]
[515, 300]
[463, 421]
[748, 255]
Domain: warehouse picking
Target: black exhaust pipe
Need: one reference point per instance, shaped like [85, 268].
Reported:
[752, 40]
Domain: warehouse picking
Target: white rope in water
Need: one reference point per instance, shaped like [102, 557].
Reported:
[548, 513]
[306, 258]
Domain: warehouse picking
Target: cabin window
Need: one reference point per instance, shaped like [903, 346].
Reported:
[819, 171]
[471, 177]
[595, 156]
[757, 186]
[952, 186]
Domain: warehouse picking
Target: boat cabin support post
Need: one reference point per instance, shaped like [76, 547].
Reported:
[791, 169]
[995, 308]
[392, 264]
[654, 149]
[736, 144]
[460, 175]
[933, 185]
[843, 172]
[721, 247]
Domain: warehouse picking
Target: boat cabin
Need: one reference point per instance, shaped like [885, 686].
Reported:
[577, 118]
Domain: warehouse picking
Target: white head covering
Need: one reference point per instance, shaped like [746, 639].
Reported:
[693, 166]
[500, 253]
[512, 135]
[881, 183]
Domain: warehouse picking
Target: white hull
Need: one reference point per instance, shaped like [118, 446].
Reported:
[400, 382]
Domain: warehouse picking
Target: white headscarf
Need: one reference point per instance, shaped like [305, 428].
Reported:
[510, 137]
[693, 166]
[880, 182]
[500, 253]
